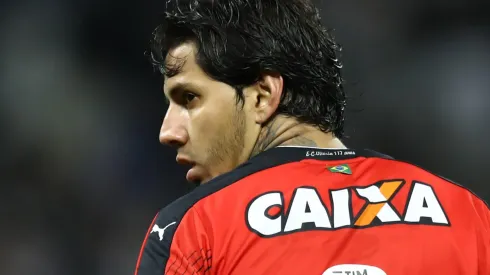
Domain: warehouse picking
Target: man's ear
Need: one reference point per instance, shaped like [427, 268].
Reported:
[268, 92]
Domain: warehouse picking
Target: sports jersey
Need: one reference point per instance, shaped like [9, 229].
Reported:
[293, 210]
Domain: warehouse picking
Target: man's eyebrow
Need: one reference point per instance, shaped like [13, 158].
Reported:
[179, 87]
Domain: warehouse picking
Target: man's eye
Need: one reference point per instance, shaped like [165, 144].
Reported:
[188, 97]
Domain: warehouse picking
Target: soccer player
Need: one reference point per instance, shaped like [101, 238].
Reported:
[256, 109]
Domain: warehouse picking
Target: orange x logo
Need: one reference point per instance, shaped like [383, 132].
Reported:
[377, 200]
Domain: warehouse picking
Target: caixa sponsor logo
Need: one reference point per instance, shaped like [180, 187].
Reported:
[354, 269]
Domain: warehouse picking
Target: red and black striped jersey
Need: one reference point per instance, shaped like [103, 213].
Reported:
[293, 210]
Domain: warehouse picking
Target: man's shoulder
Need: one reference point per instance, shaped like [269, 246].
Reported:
[179, 207]
[417, 172]
[259, 163]
[273, 158]
[383, 164]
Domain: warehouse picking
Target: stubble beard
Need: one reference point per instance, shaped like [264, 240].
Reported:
[229, 143]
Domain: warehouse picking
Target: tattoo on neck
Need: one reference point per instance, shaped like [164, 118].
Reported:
[300, 141]
[266, 137]
[271, 137]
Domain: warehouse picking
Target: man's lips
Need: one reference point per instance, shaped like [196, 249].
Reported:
[184, 160]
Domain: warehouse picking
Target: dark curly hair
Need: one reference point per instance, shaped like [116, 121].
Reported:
[239, 40]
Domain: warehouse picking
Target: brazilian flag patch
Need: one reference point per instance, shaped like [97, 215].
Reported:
[343, 169]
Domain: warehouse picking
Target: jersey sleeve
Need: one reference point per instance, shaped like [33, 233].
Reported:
[484, 250]
[175, 243]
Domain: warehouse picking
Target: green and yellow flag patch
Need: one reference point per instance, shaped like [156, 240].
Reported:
[343, 169]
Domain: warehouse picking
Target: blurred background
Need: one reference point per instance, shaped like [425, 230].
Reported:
[83, 173]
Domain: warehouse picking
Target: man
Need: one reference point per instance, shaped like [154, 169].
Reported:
[255, 98]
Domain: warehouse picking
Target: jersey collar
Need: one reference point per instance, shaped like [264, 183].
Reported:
[285, 154]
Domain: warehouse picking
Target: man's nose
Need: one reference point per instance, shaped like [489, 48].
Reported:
[173, 131]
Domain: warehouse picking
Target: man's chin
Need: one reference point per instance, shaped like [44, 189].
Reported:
[192, 175]
[197, 175]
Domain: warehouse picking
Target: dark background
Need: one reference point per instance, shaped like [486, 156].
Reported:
[82, 172]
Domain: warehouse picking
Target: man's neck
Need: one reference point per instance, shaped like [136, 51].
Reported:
[284, 131]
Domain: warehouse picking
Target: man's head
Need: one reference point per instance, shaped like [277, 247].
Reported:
[231, 67]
